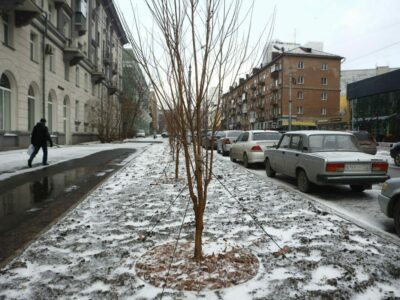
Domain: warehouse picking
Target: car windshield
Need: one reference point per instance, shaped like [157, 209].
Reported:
[363, 136]
[266, 136]
[234, 133]
[332, 142]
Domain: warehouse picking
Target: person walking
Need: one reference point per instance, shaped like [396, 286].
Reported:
[40, 136]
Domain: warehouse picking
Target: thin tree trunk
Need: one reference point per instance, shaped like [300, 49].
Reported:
[198, 245]
[177, 160]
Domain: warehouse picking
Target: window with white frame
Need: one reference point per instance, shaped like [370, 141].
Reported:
[31, 108]
[50, 113]
[324, 81]
[34, 43]
[300, 110]
[300, 64]
[323, 111]
[300, 95]
[324, 95]
[324, 66]
[5, 103]
[300, 80]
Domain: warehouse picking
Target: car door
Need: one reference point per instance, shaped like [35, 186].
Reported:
[277, 161]
[242, 145]
[235, 147]
[292, 154]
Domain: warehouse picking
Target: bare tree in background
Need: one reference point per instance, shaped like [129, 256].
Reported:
[198, 45]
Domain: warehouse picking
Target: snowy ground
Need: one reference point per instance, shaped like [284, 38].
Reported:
[92, 252]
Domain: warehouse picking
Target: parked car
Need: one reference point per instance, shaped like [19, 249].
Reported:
[250, 145]
[395, 153]
[209, 141]
[325, 157]
[224, 144]
[389, 201]
[140, 133]
[164, 134]
[366, 141]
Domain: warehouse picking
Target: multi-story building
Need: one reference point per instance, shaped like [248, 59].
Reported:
[137, 91]
[61, 60]
[300, 86]
[375, 105]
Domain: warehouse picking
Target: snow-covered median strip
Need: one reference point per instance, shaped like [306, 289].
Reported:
[92, 252]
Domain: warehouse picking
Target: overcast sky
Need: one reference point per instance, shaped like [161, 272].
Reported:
[365, 32]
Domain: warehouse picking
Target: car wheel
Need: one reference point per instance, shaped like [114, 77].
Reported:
[246, 161]
[397, 159]
[231, 156]
[218, 151]
[303, 183]
[396, 216]
[357, 188]
[268, 169]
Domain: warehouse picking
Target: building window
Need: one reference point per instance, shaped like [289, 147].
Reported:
[7, 29]
[66, 71]
[76, 110]
[300, 95]
[323, 111]
[50, 113]
[324, 81]
[52, 61]
[300, 110]
[86, 81]
[34, 41]
[77, 76]
[5, 103]
[300, 80]
[66, 28]
[86, 117]
[31, 108]
[50, 15]
[324, 67]
[300, 64]
[324, 96]
[65, 114]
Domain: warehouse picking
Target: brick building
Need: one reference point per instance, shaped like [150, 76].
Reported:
[261, 100]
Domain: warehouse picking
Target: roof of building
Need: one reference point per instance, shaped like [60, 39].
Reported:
[310, 52]
[109, 6]
[384, 83]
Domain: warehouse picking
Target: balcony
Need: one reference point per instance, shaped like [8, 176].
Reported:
[80, 23]
[72, 53]
[275, 70]
[261, 82]
[97, 75]
[59, 3]
[25, 10]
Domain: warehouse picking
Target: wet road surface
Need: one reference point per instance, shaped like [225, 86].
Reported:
[32, 201]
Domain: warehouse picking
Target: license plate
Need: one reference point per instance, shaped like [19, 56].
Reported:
[357, 167]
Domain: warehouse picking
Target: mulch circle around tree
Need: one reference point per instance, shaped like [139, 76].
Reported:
[215, 271]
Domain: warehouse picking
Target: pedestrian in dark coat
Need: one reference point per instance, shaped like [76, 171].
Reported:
[40, 136]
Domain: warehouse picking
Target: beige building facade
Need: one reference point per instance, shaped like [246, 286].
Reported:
[59, 60]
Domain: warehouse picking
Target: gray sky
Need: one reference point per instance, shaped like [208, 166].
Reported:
[365, 32]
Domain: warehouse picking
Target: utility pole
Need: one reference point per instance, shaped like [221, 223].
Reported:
[290, 102]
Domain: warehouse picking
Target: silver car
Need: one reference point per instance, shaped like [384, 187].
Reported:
[389, 201]
[250, 145]
[325, 157]
[224, 143]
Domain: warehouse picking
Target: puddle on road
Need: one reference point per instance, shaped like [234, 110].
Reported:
[30, 202]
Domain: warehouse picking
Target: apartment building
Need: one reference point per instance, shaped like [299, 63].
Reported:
[300, 86]
[137, 94]
[61, 60]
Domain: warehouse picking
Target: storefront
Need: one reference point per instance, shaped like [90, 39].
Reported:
[375, 105]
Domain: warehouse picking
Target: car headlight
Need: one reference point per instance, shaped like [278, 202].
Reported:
[384, 187]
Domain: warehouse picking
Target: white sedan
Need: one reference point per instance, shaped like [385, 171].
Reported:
[250, 145]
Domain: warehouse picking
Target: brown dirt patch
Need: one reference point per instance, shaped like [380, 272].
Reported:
[215, 271]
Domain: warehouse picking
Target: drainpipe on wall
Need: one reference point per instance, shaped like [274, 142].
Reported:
[44, 64]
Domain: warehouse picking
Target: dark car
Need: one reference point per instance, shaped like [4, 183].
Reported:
[395, 153]
[389, 201]
[366, 141]
[209, 141]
